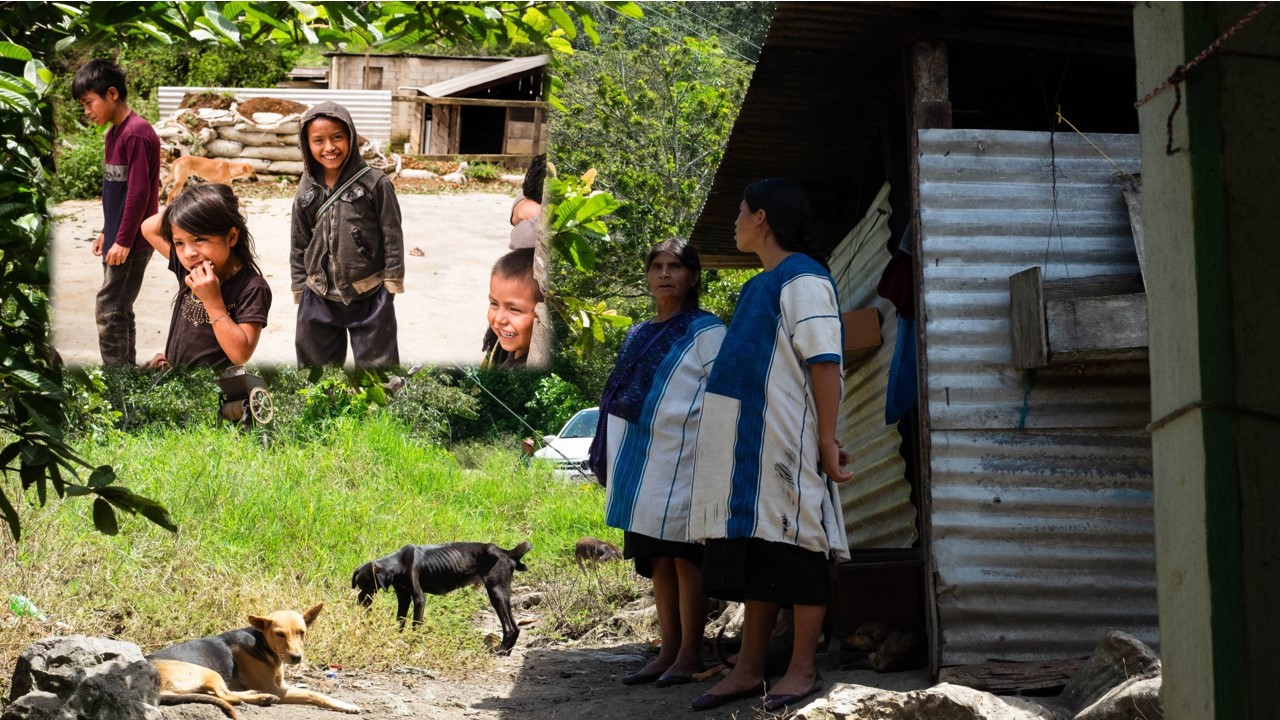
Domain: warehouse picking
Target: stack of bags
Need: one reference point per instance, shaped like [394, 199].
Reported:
[260, 131]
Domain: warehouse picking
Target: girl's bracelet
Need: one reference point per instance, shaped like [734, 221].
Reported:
[220, 317]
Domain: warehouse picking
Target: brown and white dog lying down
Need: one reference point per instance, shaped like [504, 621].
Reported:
[250, 659]
[215, 170]
[414, 570]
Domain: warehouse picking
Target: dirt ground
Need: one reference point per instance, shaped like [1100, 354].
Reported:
[441, 315]
[543, 683]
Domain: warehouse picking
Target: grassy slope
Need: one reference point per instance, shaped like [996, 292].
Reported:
[284, 528]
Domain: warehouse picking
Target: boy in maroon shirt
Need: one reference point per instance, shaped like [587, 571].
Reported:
[130, 186]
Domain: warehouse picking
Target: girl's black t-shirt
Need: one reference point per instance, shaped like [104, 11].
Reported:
[191, 340]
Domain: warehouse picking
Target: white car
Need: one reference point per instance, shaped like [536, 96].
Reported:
[570, 450]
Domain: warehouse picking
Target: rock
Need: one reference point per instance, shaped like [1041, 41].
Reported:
[1117, 659]
[1135, 699]
[75, 677]
[940, 702]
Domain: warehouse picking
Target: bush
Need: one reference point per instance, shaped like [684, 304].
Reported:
[79, 174]
[485, 172]
[554, 402]
[103, 402]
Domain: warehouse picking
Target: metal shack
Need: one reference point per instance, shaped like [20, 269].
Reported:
[1005, 508]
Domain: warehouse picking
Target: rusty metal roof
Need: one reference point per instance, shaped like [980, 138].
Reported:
[831, 76]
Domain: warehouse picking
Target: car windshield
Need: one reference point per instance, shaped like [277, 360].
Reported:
[582, 425]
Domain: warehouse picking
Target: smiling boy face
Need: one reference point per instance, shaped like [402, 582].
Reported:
[511, 313]
[330, 143]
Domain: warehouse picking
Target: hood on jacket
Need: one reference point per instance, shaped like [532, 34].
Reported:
[353, 161]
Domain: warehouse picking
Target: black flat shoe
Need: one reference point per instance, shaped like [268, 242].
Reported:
[672, 680]
[640, 678]
[707, 700]
[774, 703]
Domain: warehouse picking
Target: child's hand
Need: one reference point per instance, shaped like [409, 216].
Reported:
[159, 362]
[117, 254]
[97, 244]
[833, 458]
[204, 284]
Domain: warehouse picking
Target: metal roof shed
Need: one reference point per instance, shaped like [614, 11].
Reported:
[1034, 490]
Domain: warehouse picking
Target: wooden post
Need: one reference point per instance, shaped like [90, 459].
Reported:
[928, 106]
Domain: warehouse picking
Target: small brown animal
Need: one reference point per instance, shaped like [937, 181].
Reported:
[890, 650]
[217, 170]
[594, 550]
[252, 659]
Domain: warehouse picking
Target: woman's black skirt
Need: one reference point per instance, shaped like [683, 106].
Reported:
[742, 569]
[644, 549]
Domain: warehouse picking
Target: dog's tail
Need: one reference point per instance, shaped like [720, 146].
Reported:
[518, 552]
[181, 698]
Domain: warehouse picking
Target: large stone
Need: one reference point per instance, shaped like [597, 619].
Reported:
[1117, 659]
[83, 678]
[940, 702]
[1135, 699]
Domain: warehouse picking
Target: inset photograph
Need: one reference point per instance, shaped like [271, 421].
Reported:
[313, 209]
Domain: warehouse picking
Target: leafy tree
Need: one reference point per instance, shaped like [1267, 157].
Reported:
[653, 119]
[740, 27]
[31, 392]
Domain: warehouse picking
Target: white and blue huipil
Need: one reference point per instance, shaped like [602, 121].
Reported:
[757, 472]
[653, 427]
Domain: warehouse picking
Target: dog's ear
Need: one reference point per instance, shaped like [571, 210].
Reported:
[259, 623]
[310, 616]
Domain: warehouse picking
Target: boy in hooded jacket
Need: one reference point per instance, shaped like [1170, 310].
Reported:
[347, 252]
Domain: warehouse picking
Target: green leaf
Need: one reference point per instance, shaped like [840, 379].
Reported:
[102, 476]
[104, 518]
[563, 21]
[630, 9]
[560, 45]
[10, 51]
[10, 516]
[154, 31]
[38, 75]
[306, 11]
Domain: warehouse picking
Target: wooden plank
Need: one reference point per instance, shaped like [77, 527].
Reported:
[1009, 678]
[481, 102]
[1097, 324]
[1027, 320]
[1092, 286]
[926, 88]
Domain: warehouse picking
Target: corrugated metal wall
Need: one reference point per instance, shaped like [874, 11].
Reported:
[370, 109]
[877, 502]
[1042, 538]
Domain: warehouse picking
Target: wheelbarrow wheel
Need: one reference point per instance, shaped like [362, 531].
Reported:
[260, 405]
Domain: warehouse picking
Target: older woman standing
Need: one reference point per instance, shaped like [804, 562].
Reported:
[644, 452]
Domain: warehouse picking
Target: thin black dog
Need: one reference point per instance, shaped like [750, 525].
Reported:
[438, 569]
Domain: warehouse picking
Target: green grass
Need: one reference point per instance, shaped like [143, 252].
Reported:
[283, 528]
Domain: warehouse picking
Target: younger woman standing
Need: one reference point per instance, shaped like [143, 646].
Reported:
[763, 497]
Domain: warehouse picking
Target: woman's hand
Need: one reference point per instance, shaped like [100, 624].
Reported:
[833, 459]
[204, 285]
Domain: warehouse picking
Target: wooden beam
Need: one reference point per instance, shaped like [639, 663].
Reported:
[1026, 317]
[928, 86]
[480, 102]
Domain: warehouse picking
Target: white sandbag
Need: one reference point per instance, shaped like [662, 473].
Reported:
[216, 117]
[267, 118]
[174, 134]
[257, 139]
[222, 148]
[290, 127]
[204, 136]
[416, 174]
[273, 153]
[285, 167]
